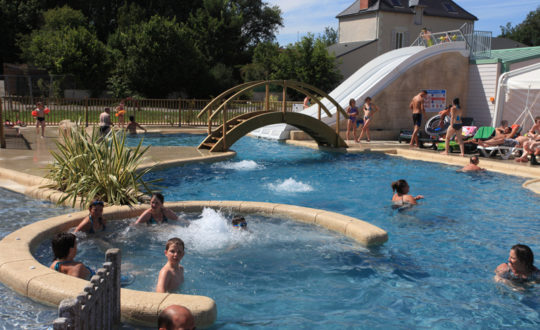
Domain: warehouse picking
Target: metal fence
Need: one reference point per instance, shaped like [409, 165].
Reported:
[98, 307]
[171, 112]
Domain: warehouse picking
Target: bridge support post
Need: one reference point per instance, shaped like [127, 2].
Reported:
[209, 121]
[225, 128]
[319, 113]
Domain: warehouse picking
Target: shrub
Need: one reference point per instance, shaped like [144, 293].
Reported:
[88, 166]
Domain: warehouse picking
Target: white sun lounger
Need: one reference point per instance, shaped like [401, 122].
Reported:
[504, 151]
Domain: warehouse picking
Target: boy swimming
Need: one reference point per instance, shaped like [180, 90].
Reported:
[171, 275]
[64, 247]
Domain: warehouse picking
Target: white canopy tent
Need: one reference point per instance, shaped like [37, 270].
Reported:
[518, 96]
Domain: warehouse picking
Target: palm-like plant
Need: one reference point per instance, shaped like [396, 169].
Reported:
[89, 166]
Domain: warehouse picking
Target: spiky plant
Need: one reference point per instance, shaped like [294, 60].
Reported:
[89, 166]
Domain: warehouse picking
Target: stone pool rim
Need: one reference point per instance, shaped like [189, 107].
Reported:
[21, 272]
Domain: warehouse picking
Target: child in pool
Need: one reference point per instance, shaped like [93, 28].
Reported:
[64, 246]
[401, 197]
[239, 222]
[133, 125]
[94, 222]
[157, 213]
[171, 275]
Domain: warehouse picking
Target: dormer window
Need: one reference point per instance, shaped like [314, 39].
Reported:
[397, 3]
[448, 6]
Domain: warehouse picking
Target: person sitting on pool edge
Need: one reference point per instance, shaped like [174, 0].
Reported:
[520, 266]
[64, 246]
[176, 317]
[94, 222]
[157, 213]
[239, 222]
[473, 165]
[171, 275]
[401, 197]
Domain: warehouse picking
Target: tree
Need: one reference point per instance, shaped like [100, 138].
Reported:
[64, 46]
[528, 32]
[330, 36]
[17, 17]
[157, 58]
[307, 61]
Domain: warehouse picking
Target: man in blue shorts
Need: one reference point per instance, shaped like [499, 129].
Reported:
[417, 107]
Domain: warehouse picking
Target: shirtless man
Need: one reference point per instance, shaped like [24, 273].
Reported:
[417, 108]
[176, 317]
[473, 165]
[506, 136]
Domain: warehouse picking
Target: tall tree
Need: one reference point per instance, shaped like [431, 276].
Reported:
[156, 58]
[17, 17]
[65, 46]
[528, 32]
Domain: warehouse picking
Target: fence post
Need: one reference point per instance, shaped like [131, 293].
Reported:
[86, 110]
[284, 104]
[179, 112]
[2, 136]
[69, 310]
[114, 256]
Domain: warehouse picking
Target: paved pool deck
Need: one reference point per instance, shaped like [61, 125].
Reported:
[30, 154]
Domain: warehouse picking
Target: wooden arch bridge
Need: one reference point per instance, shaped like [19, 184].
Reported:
[231, 130]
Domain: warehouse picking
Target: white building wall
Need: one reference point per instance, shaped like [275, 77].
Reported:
[354, 29]
[482, 86]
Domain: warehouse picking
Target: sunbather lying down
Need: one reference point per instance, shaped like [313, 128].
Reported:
[507, 138]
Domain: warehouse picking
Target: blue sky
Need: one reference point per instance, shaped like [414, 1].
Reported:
[303, 16]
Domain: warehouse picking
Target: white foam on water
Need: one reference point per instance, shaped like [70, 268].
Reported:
[212, 231]
[243, 165]
[290, 185]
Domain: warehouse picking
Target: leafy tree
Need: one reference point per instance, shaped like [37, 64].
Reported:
[264, 61]
[528, 32]
[330, 36]
[307, 61]
[64, 46]
[17, 17]
[156, 58]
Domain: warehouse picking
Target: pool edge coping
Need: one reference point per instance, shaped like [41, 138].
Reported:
[21, 272]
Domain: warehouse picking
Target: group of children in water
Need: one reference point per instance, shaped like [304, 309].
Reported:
[171, 276]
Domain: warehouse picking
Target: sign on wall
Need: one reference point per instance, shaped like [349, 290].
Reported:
[435, 100]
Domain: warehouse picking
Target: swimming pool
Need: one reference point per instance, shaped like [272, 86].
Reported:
[435, 271]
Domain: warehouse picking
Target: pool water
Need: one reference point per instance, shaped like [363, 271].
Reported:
[436, 270]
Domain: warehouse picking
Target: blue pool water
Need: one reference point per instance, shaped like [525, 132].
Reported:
[435, 271]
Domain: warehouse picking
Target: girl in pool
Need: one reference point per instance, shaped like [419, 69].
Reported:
[401, 197]
[520, 266]
[455, 127]
[94, 222]
[157, 213]
[352, 112]
[369, 111]
[64, 246]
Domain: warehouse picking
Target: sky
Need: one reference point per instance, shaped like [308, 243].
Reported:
[303, 16]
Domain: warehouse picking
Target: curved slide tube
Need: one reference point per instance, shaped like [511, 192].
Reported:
[369, 80]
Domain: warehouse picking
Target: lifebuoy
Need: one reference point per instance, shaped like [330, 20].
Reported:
[433, 125]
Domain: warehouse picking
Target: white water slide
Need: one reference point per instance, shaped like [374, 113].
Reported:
[369, 80]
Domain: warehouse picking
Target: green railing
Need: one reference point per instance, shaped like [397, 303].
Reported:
[171, 112]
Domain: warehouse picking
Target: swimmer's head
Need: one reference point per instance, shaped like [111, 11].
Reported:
[239, 222]
[525, 255]
[62, 243]
[96, 208]
[175, 241]
[474, 160]
[400, 186]
[157, 200]
[131, 118]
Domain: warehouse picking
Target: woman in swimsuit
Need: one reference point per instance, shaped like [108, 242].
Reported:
[94, 222]
[157, 213]
[352, 112]
[520, 266]
[401, 197]
[369, 110]
[456, 125]
[64, 247]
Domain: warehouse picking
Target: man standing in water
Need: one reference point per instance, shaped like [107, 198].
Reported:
[105, 121]
[417, 107]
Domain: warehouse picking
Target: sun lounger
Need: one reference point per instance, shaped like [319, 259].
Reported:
[506, 150]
